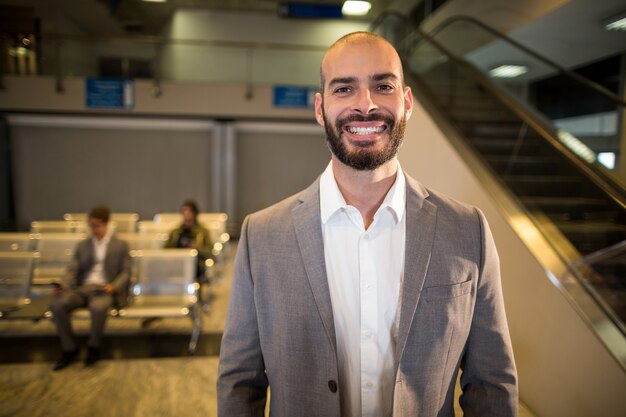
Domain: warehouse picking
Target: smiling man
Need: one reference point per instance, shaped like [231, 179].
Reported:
[366, 293]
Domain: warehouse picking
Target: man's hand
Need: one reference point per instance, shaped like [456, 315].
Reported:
[108, 289]
[58, 289]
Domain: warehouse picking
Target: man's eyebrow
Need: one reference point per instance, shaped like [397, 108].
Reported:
[384, 76]
[342, 80]
[376, 77]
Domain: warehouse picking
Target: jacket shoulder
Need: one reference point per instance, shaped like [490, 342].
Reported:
[116, 242]
[83, 245]
[450, 206]
[417, 193]
[454, 217]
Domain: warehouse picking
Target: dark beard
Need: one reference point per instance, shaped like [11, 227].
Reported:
[364, 159]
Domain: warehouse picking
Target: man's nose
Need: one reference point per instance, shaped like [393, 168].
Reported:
[364, 102]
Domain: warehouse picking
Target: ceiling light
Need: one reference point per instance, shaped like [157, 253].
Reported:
[607, 159]
[508, 71]
[576, 146]
[356, 8]
[156, 1]
[617, 22]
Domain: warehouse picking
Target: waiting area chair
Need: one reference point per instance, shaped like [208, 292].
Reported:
[58, 226]
[140, 241]
[55, 253]
[15, 272]
[164, 285]
[17, 242]
[150, 226]
[214, 222]
[124, 222]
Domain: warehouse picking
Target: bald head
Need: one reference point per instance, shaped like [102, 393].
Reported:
[354, 39]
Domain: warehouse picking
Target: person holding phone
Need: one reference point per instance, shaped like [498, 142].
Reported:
[97, 278]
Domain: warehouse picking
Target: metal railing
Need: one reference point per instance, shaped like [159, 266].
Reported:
[63, 55]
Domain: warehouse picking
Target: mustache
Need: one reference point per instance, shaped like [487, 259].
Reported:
[375, 117]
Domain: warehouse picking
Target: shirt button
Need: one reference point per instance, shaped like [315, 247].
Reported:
[332, 385]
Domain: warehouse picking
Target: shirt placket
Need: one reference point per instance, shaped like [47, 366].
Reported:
[369, 324]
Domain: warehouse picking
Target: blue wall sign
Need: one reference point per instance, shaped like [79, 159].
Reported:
[310, 11]
[109, 93]
[294, 97]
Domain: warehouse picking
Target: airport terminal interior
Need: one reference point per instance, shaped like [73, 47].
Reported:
[141, 105]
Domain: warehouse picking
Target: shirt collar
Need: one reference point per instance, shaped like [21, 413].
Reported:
[105, 240]
[395, 200]
[331, 199]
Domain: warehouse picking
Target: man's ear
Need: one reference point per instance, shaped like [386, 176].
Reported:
[319, 112]
[408, 102]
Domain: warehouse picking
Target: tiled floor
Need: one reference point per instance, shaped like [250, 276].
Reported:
[124, 384]
[167, 387]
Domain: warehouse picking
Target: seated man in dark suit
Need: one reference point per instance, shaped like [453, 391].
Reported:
[97, 278]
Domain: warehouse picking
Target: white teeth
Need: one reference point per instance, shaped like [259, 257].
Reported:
[366, 130]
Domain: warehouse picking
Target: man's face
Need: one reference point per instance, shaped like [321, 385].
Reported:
[189, 217]
[98, 228]
[364, 105]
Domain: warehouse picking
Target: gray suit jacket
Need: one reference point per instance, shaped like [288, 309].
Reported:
[116, 266]
[280, 330]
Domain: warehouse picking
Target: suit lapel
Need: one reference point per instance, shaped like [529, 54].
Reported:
[308, 225]
[420, 230]
[91, 253]
[108, 256]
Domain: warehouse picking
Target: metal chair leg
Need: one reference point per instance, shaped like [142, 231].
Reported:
[196, 317]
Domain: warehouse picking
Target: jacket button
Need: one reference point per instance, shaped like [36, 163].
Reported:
[332, 385]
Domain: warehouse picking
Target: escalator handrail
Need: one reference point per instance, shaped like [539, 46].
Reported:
[566, 72]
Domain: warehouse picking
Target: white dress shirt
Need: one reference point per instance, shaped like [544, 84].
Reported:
[96, 275]
[365, 270]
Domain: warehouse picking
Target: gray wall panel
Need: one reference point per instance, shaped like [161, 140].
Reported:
[273, 166]
[61, 169]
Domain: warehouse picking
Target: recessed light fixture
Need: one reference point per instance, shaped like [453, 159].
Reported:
[155, 1]
[576, 146]
[356, 8]
[617, 22]
[508, 71]
[607, 159]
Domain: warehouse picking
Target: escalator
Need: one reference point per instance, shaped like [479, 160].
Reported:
[551, 172]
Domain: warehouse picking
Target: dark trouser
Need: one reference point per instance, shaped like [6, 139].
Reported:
[90, 296]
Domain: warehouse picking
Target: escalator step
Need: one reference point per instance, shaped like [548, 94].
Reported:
[499, 146]
[523, 164]
[494, 128]
[575, 205]
[555, 201]
[592, 227]
[544, 185]
[593, 236]
[597, 215]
